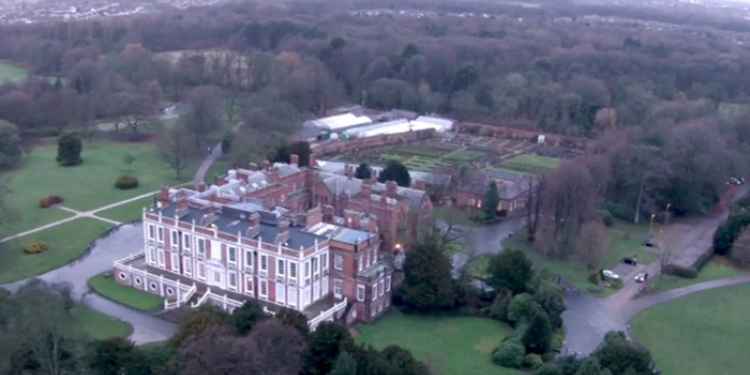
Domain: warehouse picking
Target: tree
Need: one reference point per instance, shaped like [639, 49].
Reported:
[510, 270]
[620, 355]
[427, 283]
[523, 309]
[301, 149]
[345, 365]
[591, 366]
[509, 354]
[175, 148]
[363, 171]
[326, 343]
[534, 204]
[205, 116]
[395, 171]
[403, 360]
[10, 145]
[538, 335]
[490, 202]
[247, 316]
[197, 321]
[294, 319]
[551, 299]
[111, 356]
[69, 147]
[592, 243]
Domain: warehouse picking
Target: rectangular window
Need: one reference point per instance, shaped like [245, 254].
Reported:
[201, 270]
[186, 241]
[175, 239]
[161, 258]
[307, 269]
[264, 288]
[280, 269]
[233, 280]
[249, 285]
[338, 262]
[151, 232]
[381, 289]
[315, 265]
[388, 283]
[249, 258]
[338, 287]
[280, 293]
[153, 258]
[264, 263]
[188, 266]
[360, 263]
[293, 270]
[232, 254]
[201, 246]
[160, 231]
[217, 277]
[360, 293]
[375, 291]
[323, 262]
[175, 262]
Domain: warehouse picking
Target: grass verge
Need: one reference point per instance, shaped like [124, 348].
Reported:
[11, 73]
[717, 268]
[531, 163]
[98, 326]
[127, 212]
[449, 345]
[108, 288]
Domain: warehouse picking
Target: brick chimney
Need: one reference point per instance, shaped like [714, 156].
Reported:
[294, 159]
[282, 234]
[328, 213]
[391, 189]
[182, 206]
[254, 229]
[314, 216]
[266, 164]
[164, 195]
[366, 189]
[352, 219]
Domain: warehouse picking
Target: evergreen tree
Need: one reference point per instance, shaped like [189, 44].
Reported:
[294, 319]
[326, 343]
[511, 270]
[345, 365]
[395, 171]
[69, 148]
[427, 282]
[363, 171]
[244, 319]
[10, 145]
[490, 202]
[538, 336]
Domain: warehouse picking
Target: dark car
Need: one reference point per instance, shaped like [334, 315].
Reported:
[631, 261]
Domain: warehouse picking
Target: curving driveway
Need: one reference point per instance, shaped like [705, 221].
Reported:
[121, 242]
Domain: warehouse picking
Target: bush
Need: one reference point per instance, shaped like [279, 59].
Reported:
[509, 354]
[595, 278]
[35, 247]
[126, 182]
[69, 147]
[608, 219]
[50, 201]
[523, 308]
[533, 361]
[499, 308]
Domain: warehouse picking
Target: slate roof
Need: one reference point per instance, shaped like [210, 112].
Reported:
[341, 234]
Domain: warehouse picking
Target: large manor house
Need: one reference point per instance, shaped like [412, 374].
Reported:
[283, 235]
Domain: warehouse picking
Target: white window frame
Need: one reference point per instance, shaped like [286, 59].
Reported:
[151, 232]
[280, 267]
[263, 288]
[187, 265]
[229, 254]
[323, 262]
[249, 258]
[338, 287]
[360, 293]
[293, 270]
[264, 263]
[202, 246]
[186, 240]
[160, 234]
[381, 288]
[360, 263]
[161, 259]
[338, 262]
[315, 265]
[307, 269]
[175, 262]
[388, 283]
[201, 270]
[249, 285]
[231, 274]
[175, 236]
[153, 256]
[374, 291]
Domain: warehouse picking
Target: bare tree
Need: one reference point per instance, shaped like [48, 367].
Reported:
[534, 204]
[592, 244]
[175, 148]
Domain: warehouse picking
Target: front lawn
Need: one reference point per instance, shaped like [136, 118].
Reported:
[108, 288]
[705, 333]
[11, 73]
[132, 211]
[531, 163]
[717, 268]
[84, 187]
[66, 243]
[96, 325]
[449, 345]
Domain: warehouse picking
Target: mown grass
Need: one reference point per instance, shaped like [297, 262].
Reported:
[11, 73]
[96, 325]
[704, 333]
[717, 268]
[66, 243]
[449, 345]
[132, 211]
[531, 163]
[108, 288]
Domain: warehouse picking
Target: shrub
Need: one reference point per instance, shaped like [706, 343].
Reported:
[523, 308]
[499, 308]
[69, 147]
[35, 247]
[50, 201]
[126, 182]
[595, 278]
[608, 219]
[509, 354]
[533, 361]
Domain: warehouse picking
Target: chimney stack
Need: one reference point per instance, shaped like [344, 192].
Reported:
[314, 216]
[182, 206]
[391, 189]
[349, 171]
[282, 234]
[164, 195]
[294, 159]
[366, 189]
[254, 229]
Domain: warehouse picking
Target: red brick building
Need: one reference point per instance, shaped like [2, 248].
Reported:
[282, 235]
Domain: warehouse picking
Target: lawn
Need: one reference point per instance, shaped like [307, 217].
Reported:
[66, 243]
[108, 288]
[717, 268]
[705, 333]
[11, 73]
[531, 163]
[98, 326]
[625, 239]
[449, 345]
[83, 187]
[132, 211]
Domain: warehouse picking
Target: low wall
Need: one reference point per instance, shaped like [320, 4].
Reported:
[506, 132]
[338, 146]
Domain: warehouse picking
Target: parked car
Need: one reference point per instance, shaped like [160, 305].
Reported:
[631, 261]
[641, 277]
[609, 274]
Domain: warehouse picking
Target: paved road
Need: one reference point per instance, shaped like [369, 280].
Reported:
[78, 215]
[486, 239]
[120, 243]
[200, 175]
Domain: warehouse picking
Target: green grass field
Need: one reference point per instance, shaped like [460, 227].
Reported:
[705, 333]
[66, 243]
[531, 163]
[11, 72]
[96, 325]
[625, 239]
[448, 345]
[717, 268]
[108, 288]
[132, 211]
[84, 187]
